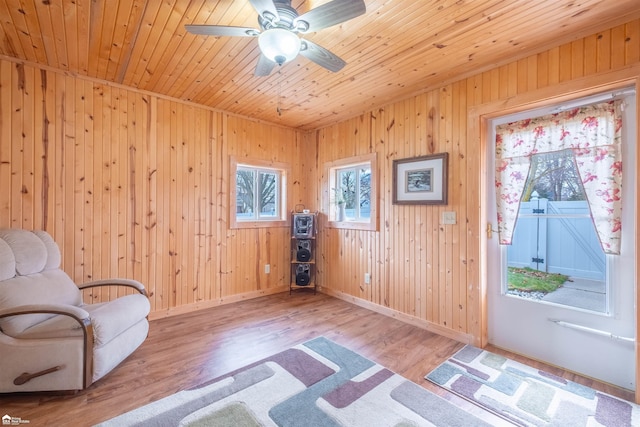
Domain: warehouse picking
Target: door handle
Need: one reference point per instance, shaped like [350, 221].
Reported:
[490, 230]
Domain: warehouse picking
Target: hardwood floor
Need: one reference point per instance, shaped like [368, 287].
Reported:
[184, 351]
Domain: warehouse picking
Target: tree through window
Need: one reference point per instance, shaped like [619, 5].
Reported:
[350, 192]
[354, 186]
[258, 193]
[554, 176]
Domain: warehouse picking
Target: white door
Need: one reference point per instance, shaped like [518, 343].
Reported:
[598, 343]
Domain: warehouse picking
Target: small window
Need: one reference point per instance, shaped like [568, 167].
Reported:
[257, 193]
[351, 196]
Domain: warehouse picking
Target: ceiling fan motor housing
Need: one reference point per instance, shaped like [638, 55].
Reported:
[286, 18]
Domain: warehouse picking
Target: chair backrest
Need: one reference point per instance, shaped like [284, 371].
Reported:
[30, 274]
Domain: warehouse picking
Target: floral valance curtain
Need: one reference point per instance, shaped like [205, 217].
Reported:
[593, 134]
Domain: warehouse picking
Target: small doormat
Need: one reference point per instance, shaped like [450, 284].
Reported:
[527, 396]
[315, 384]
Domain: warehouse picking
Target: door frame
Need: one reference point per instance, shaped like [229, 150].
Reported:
[477, 122]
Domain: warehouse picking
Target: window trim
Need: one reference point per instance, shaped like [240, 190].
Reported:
[258, 164]
[329, 169]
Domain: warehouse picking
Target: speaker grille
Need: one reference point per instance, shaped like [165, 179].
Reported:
[303, 253]
[303, 275]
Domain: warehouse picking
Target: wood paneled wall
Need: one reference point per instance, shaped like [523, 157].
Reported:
[132, 184]
[135, 185]
[423, 271]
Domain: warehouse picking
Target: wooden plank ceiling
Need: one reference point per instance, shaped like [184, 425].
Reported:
[397, 49]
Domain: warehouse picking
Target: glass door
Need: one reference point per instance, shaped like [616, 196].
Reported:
[553, 295]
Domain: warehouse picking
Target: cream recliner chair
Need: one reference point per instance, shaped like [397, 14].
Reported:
[50, 339]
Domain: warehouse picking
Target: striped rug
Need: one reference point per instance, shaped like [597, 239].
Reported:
[527, 396]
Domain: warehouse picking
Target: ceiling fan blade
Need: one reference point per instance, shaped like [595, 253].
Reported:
[264, 67]
[266, 7]
[222, 30]
[330, 14]
[321, 56]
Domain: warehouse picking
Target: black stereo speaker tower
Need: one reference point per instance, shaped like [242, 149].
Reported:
[303, 251]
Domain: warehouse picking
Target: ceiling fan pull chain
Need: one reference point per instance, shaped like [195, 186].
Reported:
[278, 109]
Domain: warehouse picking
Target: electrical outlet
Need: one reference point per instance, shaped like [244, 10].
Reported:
[367, 278]
[267, 268]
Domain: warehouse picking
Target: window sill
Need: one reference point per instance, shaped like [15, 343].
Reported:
[259, 224]
[352, 225]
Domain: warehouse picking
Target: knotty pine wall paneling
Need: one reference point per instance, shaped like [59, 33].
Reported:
[135, 185]
[422, 271]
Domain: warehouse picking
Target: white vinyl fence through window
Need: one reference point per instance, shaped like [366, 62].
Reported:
[557, 237]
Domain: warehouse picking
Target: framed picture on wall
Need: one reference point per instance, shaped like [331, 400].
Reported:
[420, 180]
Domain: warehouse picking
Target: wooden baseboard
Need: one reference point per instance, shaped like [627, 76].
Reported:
[189, 308]
[424, 324]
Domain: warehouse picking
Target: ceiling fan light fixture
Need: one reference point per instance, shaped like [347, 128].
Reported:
[279, 45]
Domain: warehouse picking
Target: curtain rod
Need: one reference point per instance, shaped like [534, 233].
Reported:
[594, 99]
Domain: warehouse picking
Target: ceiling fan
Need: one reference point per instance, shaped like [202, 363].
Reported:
[280, 25]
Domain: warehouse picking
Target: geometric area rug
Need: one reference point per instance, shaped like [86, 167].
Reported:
[316, 383]
[527, 396]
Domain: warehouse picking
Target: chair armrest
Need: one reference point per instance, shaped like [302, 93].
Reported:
[117, 282]
[77, 313]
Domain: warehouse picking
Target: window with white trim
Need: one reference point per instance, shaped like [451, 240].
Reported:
[351, 193]
[257, 194]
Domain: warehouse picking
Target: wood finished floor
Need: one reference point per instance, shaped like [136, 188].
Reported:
[184, 351]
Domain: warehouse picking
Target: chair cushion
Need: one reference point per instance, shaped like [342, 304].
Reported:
[7, 261]
[53, 251]
[58, 326]
[48, 287]
[108, 356]
[111, 318]
[29, 250]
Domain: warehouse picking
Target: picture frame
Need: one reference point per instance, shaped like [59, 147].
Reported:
[421, 180]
